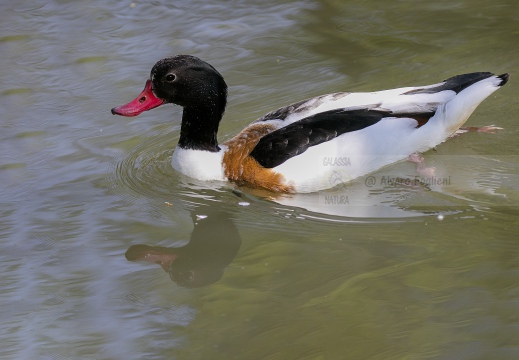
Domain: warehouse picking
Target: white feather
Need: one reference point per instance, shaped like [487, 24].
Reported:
[199, 164]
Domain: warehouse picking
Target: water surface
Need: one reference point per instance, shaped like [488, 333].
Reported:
[390, 270]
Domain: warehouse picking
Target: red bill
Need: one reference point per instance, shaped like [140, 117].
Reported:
[145, 101]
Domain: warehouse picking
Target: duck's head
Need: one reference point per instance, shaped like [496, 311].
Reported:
[184, 80]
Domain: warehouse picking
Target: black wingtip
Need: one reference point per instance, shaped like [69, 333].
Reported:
[504, 78]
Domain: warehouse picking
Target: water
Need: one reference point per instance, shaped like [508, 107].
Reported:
[386, 269]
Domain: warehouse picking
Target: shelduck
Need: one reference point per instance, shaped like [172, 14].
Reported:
[312, 144]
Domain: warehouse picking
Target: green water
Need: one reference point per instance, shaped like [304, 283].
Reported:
[392, 270]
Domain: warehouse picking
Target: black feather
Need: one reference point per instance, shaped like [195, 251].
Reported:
[456, 83]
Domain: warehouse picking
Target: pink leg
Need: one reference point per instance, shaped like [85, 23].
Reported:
[420, 165]
[489, 129]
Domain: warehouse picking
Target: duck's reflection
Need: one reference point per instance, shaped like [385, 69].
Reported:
[214, 243]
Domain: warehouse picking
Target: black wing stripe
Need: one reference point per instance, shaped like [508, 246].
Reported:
[277, 147]
[456, 83]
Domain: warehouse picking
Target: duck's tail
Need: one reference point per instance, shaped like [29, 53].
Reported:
[471, 90]
[504, 78]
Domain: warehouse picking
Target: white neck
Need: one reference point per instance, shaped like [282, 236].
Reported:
[199, 164]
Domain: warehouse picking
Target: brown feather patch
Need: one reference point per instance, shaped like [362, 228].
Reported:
[242, 168]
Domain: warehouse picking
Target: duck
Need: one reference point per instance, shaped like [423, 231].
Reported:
[313, 144]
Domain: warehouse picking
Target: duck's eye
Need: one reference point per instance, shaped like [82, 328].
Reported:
[170, 77]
